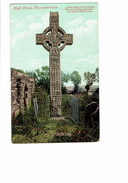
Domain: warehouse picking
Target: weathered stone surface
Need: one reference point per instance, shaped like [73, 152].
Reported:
[54, 39]
[90, 108]
[63, 134]
[95, 115]
[22, 87]
[61, 119]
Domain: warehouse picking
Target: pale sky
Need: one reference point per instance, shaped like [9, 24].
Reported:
[25, 23]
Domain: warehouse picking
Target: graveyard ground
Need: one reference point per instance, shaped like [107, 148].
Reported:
[42, 133]
[27, 128]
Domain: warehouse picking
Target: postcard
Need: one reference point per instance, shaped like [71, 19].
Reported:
[54, 73]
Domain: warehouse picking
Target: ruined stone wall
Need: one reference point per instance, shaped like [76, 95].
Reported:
[22, 87]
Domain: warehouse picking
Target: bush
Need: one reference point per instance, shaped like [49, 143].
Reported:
[65, 107]
[43, 101]
[26, 117]
[79, 135]
[85, 135]
[61, 139]
[64, 90]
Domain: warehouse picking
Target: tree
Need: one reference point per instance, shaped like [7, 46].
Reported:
[31, 74]
[89, 78]
[76, 79]
[64, 79]
[97, 74]
[43, 78]
[19, 70]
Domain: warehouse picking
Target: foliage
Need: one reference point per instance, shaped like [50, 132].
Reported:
[76, 79]
[80, 89]
[64, 79]
[25, 134]
[26, 117]
[57, 139]
[65, 107]
[62, 129]
[85, 135]
[64, 89]
[31, 74]
[42, 78]
[41, 132]
[79, 135]
[28, 128]
[87, 87]
[97, 74]
[89, 78]
[95, 96]
[19, 70]
[43, 100]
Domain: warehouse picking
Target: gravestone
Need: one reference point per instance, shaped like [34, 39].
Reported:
[35, 106]
[54, 39]
[75, 109]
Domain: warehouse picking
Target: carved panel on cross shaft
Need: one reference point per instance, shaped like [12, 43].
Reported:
[55, 72]
[55, 63]
[55, 101]
[54, 19]
[54, 29]
[55, 81]
[54, 110]
[55, 91]
[54, 51]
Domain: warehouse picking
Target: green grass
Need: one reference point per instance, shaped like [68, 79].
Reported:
[44, 135]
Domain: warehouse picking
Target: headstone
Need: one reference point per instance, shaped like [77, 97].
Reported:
[63, 134]
[90, 108]
[54, 39]
[35, 106]
[95, 115]
[75, 109]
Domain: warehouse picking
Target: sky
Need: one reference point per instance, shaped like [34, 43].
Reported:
[26, 22]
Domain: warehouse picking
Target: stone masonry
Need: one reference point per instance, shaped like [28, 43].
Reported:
[22, 87]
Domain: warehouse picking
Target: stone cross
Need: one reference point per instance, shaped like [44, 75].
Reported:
[54, 39]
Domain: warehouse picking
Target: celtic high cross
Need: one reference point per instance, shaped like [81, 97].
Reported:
[54, 39]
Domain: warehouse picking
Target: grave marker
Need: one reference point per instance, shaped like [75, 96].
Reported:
[35, 106]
